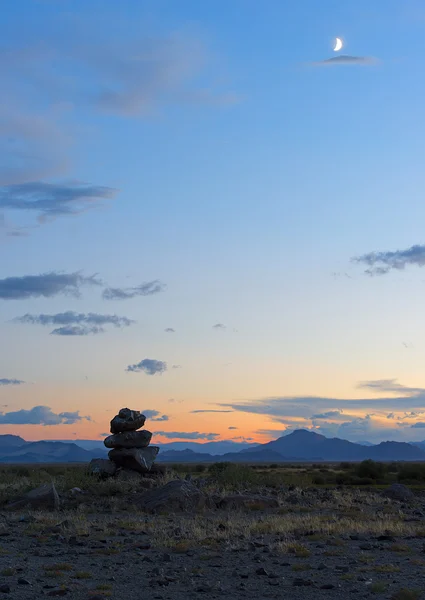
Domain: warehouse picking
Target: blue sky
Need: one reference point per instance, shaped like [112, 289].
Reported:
[207, 147]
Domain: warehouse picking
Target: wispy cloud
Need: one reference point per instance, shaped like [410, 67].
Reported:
[5, 381]
[219, 326]
[149, 366]
[40, 415]
[188, 435]
[155, 415]
[390, 385]
[381, 263]
[232, 428]
[418, 425]
[76, 324]
[169, 330]
[340, 416]
[331, 414]
[344, 59]
[144, 289]
[48, 200]
[45, 285]
[77, 330]
[210, 411]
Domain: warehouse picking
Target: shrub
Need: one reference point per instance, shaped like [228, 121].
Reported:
[371, 469]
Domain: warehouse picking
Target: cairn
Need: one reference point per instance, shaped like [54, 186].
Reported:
[130, 448]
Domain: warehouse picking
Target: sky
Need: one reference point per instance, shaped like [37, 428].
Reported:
[209, 215]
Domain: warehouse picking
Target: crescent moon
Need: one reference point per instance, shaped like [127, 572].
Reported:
[338, 44]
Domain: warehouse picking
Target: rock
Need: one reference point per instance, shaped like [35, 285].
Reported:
[5, 589]
[63, 591]
[175, 495]
[102, 467]
[236, 501]
[158, 470]
[129, 439]
[299, 582]
[23, 581]
[398, 491]
[43, 497]
[136, 459]
[127, 420]
[128, 476]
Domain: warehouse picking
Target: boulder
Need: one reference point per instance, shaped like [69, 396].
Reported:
[129, 439]
[102, 467]
[174, 496]
[136, 459]
[400, 492]
[247, 501]
[127, 420]
[45, 497]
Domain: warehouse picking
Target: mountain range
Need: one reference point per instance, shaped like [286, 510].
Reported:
[300, 445]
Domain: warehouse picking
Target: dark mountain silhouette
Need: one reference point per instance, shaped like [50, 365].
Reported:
[300, 445]
[43, 452]
[11, 441]
[310, 445]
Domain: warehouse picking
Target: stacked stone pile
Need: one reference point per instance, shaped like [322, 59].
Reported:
[130, 447]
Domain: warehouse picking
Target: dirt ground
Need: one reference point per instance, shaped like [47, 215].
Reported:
[314, 545]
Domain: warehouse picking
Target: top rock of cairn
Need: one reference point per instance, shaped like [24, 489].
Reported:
[127, 420]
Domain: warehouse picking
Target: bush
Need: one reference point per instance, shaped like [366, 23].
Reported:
[231, 474]
[411, 472]
[370, 469]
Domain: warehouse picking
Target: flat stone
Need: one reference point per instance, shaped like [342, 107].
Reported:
[129, 439]
[43, 497]
[127, 420]
[136, 459]
[174, 496]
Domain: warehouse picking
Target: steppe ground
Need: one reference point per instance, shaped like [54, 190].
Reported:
[310, 531]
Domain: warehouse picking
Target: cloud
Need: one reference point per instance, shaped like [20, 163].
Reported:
[149, 366]
[418, 425]
[32, 146]
[144, 289]
[71, 330]
[175, 400]
[134, 79]
[45, 285]
[49, 200]
[328, 415]
[296, 411]
[191, 435]
[389, 385]
[210, 411]
[219, 326]
[176, 367]
[169, 330]
[72, 323]
[5, 381]
[344, 59]
[381, 263]
[40, 415]
[232, 428]
[272, 433]
[155, 415]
